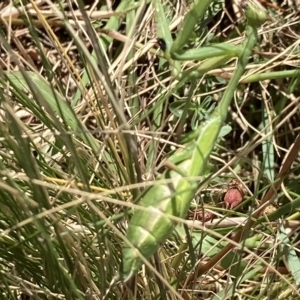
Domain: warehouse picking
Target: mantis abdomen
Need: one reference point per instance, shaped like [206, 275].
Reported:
[173, 194]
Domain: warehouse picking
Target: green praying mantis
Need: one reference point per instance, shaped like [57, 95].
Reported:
[149, 228]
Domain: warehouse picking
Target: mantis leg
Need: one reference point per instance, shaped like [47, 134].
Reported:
[173, 49]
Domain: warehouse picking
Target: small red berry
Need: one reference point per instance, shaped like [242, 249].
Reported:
[234, 195]
[201, 215]
[233, 198]
[204, 215]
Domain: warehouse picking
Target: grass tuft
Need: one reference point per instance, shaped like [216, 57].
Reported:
[89, 113]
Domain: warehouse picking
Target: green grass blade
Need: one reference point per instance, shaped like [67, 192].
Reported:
[289, 253]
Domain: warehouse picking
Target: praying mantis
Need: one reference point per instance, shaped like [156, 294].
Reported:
[151, 227]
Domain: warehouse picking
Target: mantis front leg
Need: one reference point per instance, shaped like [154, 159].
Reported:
[173, 50]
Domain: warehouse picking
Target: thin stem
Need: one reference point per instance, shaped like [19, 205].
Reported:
[194, 16]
